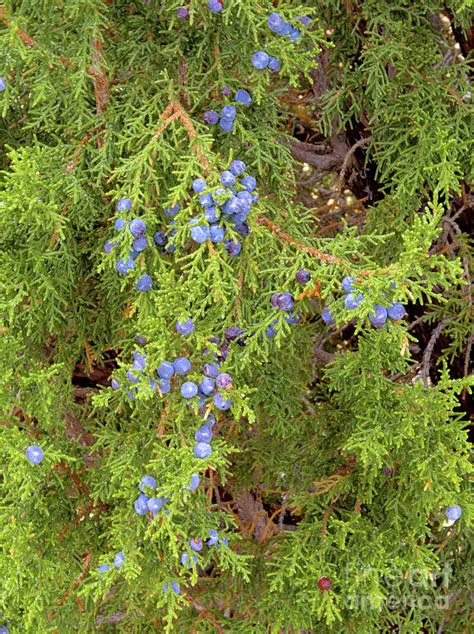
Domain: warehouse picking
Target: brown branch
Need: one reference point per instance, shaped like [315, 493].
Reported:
[263, 220]
[85, 569]
[348, 158]
[29, 41]
[425, 364]
[204, 612]
[309, 153]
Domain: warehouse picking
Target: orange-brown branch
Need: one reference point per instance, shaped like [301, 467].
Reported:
[29, 41]
[263, 220]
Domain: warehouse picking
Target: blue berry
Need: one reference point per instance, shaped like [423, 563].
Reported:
[243, 96]
[274, 64]
[182, 365]
[213, 537]
[228, 113]
[186, 327]
[246, 198]
[189, 389]
[226, 126]
[103, 568]
[140, 244]
[249, 183]
[155, 504]
[186, 561]
[199, 185]
[141, 505]
[144, 283]
[302, 276]
[294, 34]
[224, 381]
[227, 178]
[203, 434]
[193, 482]
[232, 206]
[396, 311]
[270, 330]
[182, 13]
[453, 513]
[379, 316]
[34, 454]
[160, 238]
[285, 301]
[199, 233]
[274, 299]
[147, 481]
[243, 229]
[202, 450]
[211, 117]
[115, 384]
[221, 402]
[119, 224]
[132, 378]
[292, 319]
[237, 167]
[196, 544]
[260, 60]
[352, 300]
[124, 204]
[348, 283]
[304, 19]
[207, 386]
[217, 233]
[206, 200]
[137, 227]
[275, 22]
[215, 6]
[165, 370]
[211, 214]
[164, 386]
[3, 84]
[119, 560]
[139, 360]
[109, 245]
[211, 369]
[225, 91]
[233, 247]
[233, 332]
[171, 212]
[327, 316]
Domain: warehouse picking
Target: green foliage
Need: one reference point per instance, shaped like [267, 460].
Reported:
[341, 471]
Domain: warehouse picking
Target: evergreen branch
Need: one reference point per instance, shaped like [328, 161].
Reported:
[77, 581]
[29, 41]
[263, 220]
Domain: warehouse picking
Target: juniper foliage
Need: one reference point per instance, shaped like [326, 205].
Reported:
[344, 443]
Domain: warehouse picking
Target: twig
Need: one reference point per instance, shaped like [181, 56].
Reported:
[85, 569]
[29, 41]
[425, 364]
[348, 158]
[204, 611]
[263, 220]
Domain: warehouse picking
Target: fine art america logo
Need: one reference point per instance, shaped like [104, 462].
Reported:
[398, 588]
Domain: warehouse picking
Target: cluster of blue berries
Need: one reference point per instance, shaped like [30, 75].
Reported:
[137, 228]
[228, 113]
[224, 207]
[262, 60]
[285, 303]
[278, 25]
[196, 545]
[119, 560]
[3, 84]
[149, 503]
[353, 299]
[34, 454]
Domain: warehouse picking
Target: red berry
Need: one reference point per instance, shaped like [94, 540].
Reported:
[324, 584]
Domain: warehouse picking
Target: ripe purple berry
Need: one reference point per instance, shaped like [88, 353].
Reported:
[224, 381]
[211, 117]
[182, 365]
[193, 482]
[396, 311]
[221, 402]
[144, 283]
[119, 560]
[327, 316]
[274, 64]
[119, 224]
[260, 60]
[137, 227]
[348, 283]
[203, 434]
[243, 96]
[302, 276]
[124, 204]
[453, 513]
[233, 247]
[186, 327]
[285, 301]
[189, 389]
[379, 316]
[182, 13]
[199, 185]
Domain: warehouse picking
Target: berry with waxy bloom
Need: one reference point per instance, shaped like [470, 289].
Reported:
[202, 450]
[165, 370]
[228, 113]
[182, 365]
[237, 167]
[211, 369]
[196, 544]
[221, 402]
[141, 505]
[163, 385]
[199, 185]
[233, 247]
[216, 233]
[185, 327]
[3, 84]
[207, 386]
[379, 316]
[396, 311]
[224, 381]
[453, 513]
[137, 227]
[109, 245]
[124, 204]
[144, 283]
[274, 64]
[260, 60]
[155, 505]
[352, 300]
[203, 434]
[34, 454]
[348, 283]
[182, 13]
[243, 96]
[327, 316]
[249, 182]
[119, 560]
[302, 276]
[285, 301]
[119, 224]
[147, 481]
[213, 537]
[189, 389]
[103, 568]
[193, 482]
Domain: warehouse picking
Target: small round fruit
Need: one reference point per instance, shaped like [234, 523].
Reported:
[34, 454]
[202, 450]
[324, 584]
[453, 513]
